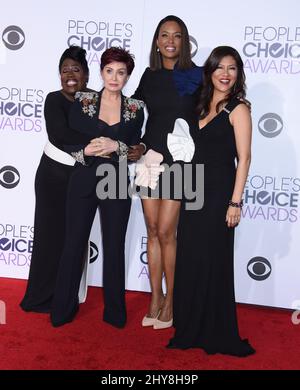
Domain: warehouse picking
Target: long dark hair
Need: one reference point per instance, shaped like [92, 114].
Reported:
[207, 90]
[185, 59]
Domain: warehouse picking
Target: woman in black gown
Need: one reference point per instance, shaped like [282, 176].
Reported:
[114, 121]
[52, 180]
[168, 88]
[204, 301]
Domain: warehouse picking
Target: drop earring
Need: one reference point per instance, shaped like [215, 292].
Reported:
[157, 49]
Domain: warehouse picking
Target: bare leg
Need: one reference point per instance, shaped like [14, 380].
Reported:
[151, 212]
[167, 227]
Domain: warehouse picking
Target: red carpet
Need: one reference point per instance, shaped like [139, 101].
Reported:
[28, 341]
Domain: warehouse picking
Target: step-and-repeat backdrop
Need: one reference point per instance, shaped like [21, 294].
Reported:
[33, 35]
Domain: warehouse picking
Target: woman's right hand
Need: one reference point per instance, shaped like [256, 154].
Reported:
[135, 152]
[101, 147]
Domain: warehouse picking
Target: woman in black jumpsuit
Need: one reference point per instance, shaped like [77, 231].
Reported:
[114, 122]
[51, 182]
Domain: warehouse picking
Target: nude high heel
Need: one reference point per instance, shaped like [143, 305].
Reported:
[149, 321]
[158, 324]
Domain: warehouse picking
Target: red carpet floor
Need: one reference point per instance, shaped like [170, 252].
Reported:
[28, 341]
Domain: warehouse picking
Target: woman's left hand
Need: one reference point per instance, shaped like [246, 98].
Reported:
[105, 146]
[233, 216]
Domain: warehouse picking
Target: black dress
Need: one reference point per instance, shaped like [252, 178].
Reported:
[51, 184]
[204, 300]
[168, 95]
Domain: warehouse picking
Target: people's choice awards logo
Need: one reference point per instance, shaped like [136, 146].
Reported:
[13, 37]
[9, 177]
[96, 36]
[259, 268]
[271, 198]
[272, 49]
[144, 272]
[270, 125]
[21, 109]
[16, 243]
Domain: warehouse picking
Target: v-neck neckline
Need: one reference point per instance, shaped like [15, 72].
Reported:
[107, 124]
[223, 109]
[121, 108]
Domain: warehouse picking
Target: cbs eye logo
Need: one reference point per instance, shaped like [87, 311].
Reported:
[93, 252]
[13, 37]
[259, 268]
[194, 46]
[270, 125]
[9, 177]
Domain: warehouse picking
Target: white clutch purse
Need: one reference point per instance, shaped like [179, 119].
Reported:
[180, 142]
[148, 169]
